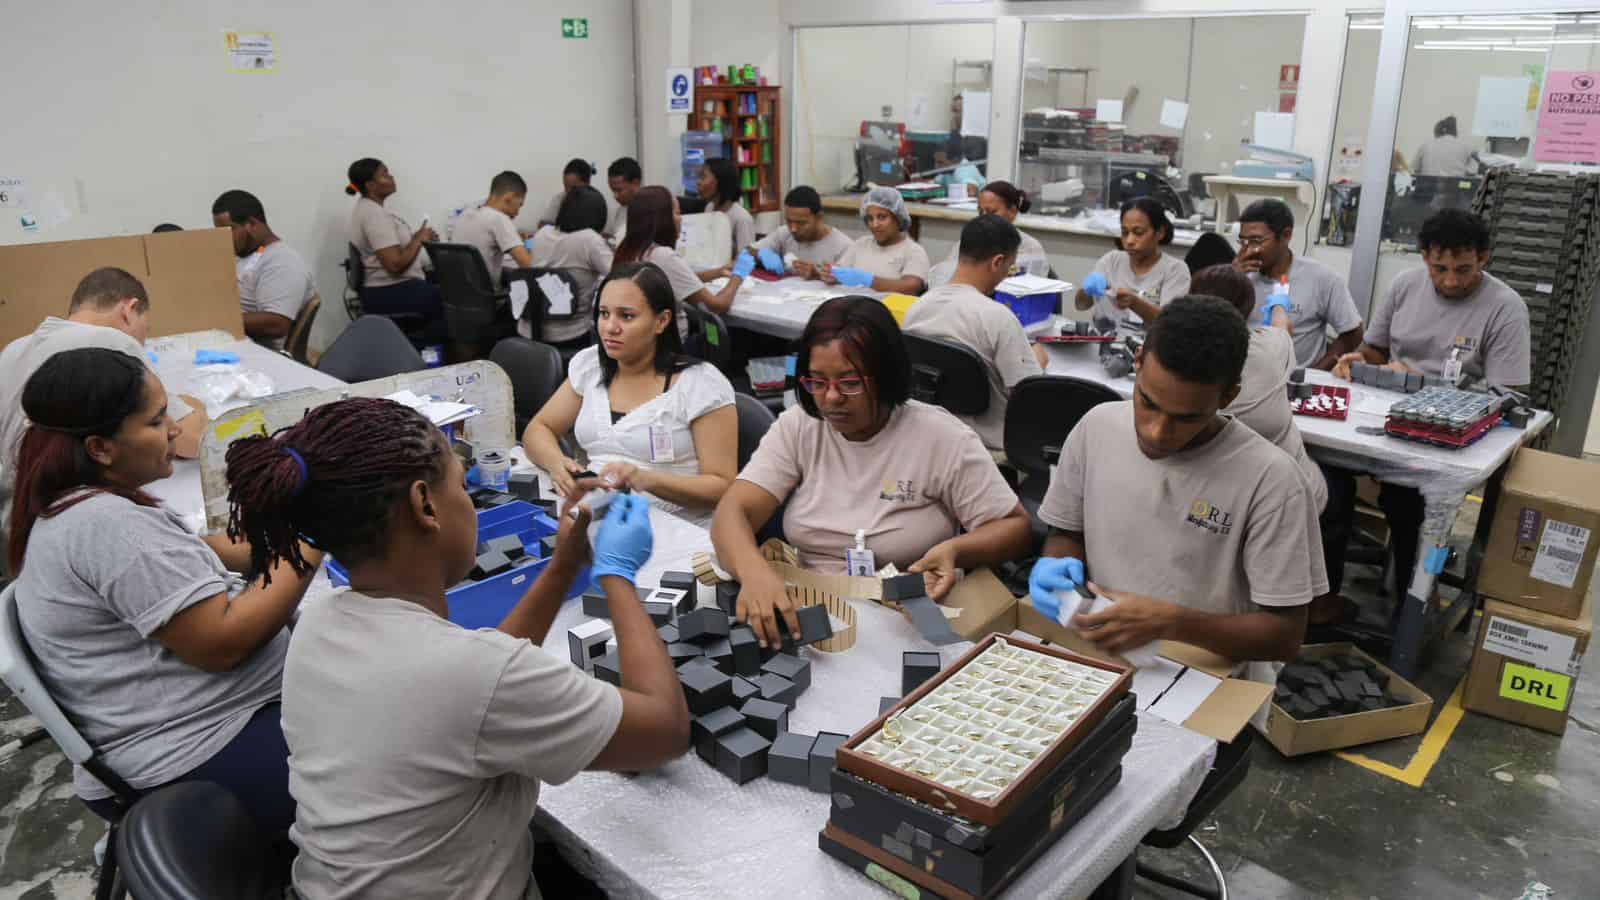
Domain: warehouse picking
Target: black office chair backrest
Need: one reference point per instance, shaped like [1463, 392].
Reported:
[355, 278]
[535, 371]
[1210, 249]
[195, 841]
[754, 420]
[372, 347]
[1040, 414]
[709, 337]
[471, 300]
[948, 374]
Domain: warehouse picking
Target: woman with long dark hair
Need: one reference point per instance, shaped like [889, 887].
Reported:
[139, 631]
[653, 223]
[419, 747]
[650, 419]
[718, 185]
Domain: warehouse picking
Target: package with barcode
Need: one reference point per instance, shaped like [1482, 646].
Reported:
[1526, 663]
[1545, 534]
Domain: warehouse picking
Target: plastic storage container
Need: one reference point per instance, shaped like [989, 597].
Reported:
[483, 604]
[1030, 308]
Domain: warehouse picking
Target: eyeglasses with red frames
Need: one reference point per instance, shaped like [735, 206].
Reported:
[848, 386]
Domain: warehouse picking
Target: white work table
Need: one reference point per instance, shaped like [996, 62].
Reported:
[687, 831]
[175, 365]
[1443, 476]
[781, 308]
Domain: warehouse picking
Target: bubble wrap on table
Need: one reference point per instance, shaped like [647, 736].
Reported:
[687, 831]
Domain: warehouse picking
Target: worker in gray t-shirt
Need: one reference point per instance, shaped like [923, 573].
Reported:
[275, 283]
[1450, 319]
[1319, 300]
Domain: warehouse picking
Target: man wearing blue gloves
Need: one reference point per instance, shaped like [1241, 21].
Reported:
[1196, 528]
[804, 237]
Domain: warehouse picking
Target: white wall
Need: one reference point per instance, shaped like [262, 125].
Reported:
[844, 75]
[736, 32]
[134, 103]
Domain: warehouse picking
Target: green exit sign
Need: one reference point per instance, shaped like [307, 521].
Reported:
[575, 28]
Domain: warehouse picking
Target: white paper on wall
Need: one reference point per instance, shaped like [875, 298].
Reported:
[975, 114]
[1174, 113]
[1275, 130]
[1502, 107]
[1108, 110]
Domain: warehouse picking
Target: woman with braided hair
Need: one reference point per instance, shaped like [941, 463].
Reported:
[418, 747]
[139, 632]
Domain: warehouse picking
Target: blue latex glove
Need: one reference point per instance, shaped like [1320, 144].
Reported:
[1049, 575]
[1276, 301]
[856, 278]
[1095, 285]
[528, 244]
[625, 541]
[744, 265]
[772, 262]
[214, 357]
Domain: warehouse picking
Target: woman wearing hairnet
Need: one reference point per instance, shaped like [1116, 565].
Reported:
[886, 260]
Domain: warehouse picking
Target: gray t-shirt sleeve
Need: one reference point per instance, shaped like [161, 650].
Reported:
[1383, 314]
[545, 719]
[917, 263]
[775, 240]
[685, 283]
[1013, 356]
[1507, 358]
[145, 565]
[1339, 307]
[1277, 543]
[1175, 283]
[282, 287]
[1062, 506]
[975, 493]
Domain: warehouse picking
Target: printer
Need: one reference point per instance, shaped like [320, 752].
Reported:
[1269, 162]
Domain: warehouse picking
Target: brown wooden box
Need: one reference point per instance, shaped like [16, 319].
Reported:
[988, 812]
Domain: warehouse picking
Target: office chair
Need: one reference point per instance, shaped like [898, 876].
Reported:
[754, 420]
[537, 313]
[18, 673]
[1210, 249]
[476, 311]
[372, 347]
[1040, 414]
[948, 374]
[710, 338]
[1228, 772]
[298, 343]
[535, 371]
[355, 277]
[195, 841]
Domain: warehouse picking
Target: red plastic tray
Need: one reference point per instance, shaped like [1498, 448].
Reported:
[1441, 437]
[1309, 406]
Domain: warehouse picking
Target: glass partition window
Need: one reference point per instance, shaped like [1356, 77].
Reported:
[890, 103]
[1114, 109]
[1470, 101]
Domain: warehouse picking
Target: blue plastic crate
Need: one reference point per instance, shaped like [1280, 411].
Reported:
[1031, 308]
[484, 604]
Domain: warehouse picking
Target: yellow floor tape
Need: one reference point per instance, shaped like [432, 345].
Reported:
[1428, 753]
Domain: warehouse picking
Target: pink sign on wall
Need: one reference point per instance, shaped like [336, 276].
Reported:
[1569, 119]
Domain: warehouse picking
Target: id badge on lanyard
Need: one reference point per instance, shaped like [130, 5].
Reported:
[661, 448]
[858, 560]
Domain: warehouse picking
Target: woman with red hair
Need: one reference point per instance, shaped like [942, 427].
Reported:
[140, 633]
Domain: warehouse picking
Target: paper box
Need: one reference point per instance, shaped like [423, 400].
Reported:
[1294, 737]
[988, 608]
[1543, 541]
[189, 275]
[1526, 663]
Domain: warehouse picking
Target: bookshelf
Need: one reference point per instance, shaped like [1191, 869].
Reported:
[747, 117]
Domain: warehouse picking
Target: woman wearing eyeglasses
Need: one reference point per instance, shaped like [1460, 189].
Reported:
[858, 456]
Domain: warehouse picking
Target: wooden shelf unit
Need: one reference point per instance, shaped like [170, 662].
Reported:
[724, 108]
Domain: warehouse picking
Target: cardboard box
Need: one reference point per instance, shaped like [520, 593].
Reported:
[1526, 663]
[988, 608]
[189, 275]
[1294, 737]
[1543, 541]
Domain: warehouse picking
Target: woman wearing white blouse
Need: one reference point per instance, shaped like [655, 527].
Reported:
[650, 419]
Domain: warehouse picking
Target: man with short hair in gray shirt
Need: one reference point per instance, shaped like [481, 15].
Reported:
[1450, 319]
[275, 283]
[1319, 300]
[1223, 516]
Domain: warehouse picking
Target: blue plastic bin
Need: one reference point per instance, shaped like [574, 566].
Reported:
[1031, 308]
[484, 604]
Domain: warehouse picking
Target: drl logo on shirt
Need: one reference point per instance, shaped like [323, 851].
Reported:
[1208, 515]
[897, 491]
